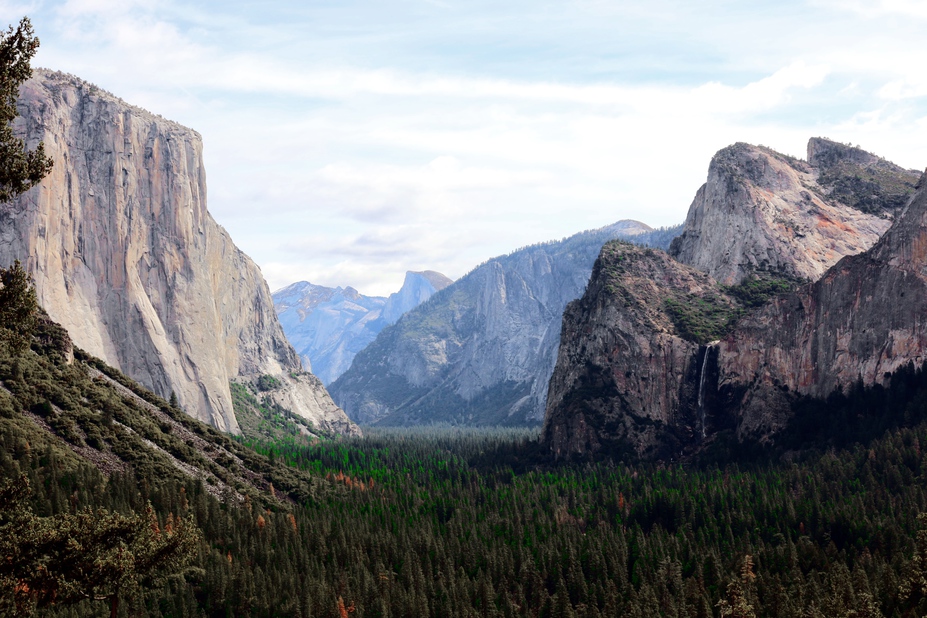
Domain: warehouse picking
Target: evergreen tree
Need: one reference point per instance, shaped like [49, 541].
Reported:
[20, 169]
[19, 309]
[91, 555]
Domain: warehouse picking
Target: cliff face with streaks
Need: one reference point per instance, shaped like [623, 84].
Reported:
[482, 350]
[628, 370]
[762, 212]
[126, 257]
[861, 321]
[659, 356]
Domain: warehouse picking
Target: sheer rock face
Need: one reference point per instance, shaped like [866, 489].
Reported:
[481, 351]
[416, 289]
[762, 211]
[126, 257]
[627, 381]
[861, 321]
[625, 378]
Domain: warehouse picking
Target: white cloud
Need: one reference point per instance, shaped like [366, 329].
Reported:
[344, 170]
[878, 8]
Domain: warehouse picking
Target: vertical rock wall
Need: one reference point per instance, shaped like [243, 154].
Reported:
[127, 258]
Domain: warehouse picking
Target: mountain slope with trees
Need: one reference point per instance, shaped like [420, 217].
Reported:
[481, 351]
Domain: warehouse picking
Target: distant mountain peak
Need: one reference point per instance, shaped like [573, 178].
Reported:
[436, 279]
[329, 326]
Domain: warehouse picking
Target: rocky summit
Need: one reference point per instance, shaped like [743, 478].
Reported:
[329, 326]
[659, 357]
[127, 258]
[764, 212]
[481, 351]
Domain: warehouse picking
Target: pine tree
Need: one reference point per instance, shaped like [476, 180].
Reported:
[739, 593]
[19, 308]
[20, 169]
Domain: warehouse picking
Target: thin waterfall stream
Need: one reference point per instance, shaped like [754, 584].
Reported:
[701, 386]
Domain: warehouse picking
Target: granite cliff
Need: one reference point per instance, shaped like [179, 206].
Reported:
[329, 326]
[859, 323]
[628, 368]
[126, 257]
[481, 351]
[763, 212]
[658, 356]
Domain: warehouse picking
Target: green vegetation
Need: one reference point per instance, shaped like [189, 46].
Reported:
[86, 555]
[19, 308]
[264, 419]
[466, 523]
[759, 288]
[701, 318]
[267, 383]
[708, 317]
[20, 169]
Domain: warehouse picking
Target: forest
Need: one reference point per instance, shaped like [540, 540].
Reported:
[114, 500]
[452, 523]
[455, 522]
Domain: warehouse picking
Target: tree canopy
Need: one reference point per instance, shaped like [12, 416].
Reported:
[20, 169]
[19, 309]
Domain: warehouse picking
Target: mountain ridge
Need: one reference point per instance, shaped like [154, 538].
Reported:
[479, 352]
[329, 326]
[735, 357]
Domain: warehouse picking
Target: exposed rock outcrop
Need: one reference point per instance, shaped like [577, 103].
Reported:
[626, 378]
[416, 289]
[627, 381]
[860, 322]
[761, 211]
[329, 326]
[126, 257]
[481, 351]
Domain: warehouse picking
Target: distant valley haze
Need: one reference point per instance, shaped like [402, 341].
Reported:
[348, 143]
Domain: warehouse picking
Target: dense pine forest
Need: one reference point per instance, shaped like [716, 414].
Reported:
[441, 523]
[450, 522]
[114, 501]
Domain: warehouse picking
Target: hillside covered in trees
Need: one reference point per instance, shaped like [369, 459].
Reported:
[449, 522]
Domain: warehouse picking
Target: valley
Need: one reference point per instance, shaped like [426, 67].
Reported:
[717, 418]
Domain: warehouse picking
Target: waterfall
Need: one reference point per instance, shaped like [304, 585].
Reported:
[701, 386]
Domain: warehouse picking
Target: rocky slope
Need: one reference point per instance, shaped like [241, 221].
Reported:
[329, 326]
[628, 381]
[788, 217]
[859, 323]
[416, 289]
[126, 257]
[628, 368]
[481, 351]
[74, 410]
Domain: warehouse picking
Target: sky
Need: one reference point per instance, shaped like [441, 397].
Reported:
[349, 141]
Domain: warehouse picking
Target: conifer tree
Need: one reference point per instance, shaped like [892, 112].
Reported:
[20, 169]
[19, 309]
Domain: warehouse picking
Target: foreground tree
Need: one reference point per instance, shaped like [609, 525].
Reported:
[740, 593]
[91, 555]
[19, 308]
[20, 169]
